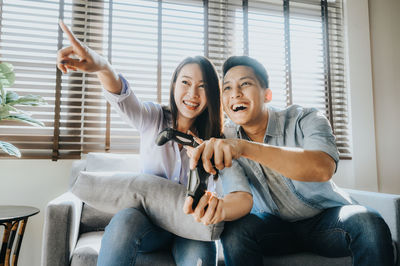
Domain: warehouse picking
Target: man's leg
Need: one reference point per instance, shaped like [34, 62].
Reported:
[129, 233]
[246, 240]
[189, 252]
[350, 230]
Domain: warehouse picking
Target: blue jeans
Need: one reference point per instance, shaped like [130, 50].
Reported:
[130, 232]
[350, 230]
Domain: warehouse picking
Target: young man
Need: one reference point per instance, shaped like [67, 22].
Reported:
[289, 157]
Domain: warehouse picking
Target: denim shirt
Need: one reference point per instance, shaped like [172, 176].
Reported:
[300, 127]
[167, 160]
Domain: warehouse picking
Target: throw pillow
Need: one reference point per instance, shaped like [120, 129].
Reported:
[109, 162]
[161, 199]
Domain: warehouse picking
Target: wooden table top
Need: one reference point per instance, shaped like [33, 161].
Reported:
[12, 213]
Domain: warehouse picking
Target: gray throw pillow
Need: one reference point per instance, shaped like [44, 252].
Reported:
[161, 199]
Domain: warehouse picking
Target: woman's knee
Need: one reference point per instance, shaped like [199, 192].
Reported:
[127, 222]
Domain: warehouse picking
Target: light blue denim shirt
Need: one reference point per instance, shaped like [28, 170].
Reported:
[294, 126]
[167, 160]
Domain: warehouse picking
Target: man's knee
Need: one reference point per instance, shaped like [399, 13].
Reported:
[240, 232]
[366, 223]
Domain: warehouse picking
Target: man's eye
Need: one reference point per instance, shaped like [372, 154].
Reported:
[245, 83]
[185, 82]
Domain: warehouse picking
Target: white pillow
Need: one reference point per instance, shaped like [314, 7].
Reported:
[107, 162]
[161, 199]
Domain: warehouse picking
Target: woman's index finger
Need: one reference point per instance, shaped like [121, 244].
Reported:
[74, 41]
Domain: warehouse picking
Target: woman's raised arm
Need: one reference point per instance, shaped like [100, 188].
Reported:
[88, 61]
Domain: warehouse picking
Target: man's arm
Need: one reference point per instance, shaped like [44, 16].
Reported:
[295, 163]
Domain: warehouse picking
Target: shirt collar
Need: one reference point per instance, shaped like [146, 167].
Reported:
[274, 128]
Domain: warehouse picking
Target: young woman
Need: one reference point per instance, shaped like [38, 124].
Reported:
[195, 106]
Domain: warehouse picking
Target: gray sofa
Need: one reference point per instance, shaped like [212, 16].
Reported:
[73, 231]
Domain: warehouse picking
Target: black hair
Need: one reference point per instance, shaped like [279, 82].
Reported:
[209, 123]
[258, 68]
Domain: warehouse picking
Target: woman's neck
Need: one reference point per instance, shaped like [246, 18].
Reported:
[184, 128]
[184, 125]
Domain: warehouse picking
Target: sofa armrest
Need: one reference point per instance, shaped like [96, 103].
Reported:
[61, 229]
[388, 205]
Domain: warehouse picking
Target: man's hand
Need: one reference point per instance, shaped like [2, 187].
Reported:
[89, 60]
[223, 150]
[209, 210]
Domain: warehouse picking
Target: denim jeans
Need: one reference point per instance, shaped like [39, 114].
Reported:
[130, 232]
[350, 230]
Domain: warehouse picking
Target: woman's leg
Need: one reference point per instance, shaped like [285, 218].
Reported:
[189, 252]
[130, 232]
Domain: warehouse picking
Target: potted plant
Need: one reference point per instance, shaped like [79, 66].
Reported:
[8, 101]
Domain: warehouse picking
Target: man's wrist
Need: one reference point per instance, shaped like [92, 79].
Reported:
[221, 204]
[243, 148]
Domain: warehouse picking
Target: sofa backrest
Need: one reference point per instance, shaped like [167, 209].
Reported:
[91, 218]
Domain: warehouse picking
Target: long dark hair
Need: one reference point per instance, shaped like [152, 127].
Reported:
[209, 123]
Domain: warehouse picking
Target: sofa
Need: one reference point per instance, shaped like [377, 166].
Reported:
[73, 230]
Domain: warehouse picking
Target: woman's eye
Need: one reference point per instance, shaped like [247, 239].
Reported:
[201, 86]
[245, 83]
[227, 88]
[185, 82]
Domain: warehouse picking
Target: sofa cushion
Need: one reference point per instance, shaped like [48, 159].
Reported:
[161, 199]
[93, 219]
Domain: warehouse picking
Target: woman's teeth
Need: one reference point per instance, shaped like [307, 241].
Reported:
[191, 104]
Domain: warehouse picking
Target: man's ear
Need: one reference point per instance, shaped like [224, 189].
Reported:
[267, 95]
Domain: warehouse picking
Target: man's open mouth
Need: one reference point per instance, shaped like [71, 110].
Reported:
[238, 107]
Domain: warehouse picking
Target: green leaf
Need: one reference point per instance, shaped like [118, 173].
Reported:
[29, 99]
[25, 118]
[7, 76]
[11, 96]
[2, 96]
[5, 111]
[10, 149]
[6, 67]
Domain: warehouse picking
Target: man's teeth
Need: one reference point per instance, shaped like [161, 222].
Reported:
[238, 107]
[191, 104]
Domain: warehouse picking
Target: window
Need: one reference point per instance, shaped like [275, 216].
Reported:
[299, 42]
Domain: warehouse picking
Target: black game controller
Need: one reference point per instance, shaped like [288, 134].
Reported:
[197, 178]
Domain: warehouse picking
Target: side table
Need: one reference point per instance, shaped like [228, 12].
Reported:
[13, 218]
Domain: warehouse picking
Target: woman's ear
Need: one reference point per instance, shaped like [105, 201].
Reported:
[267, 95]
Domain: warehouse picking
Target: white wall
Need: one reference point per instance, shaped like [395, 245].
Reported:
[385, 50]
[361, 171]
[32, 183]
[373, 41]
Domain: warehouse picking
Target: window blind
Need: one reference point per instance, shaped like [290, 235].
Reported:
[28, 40]
[300, 42]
